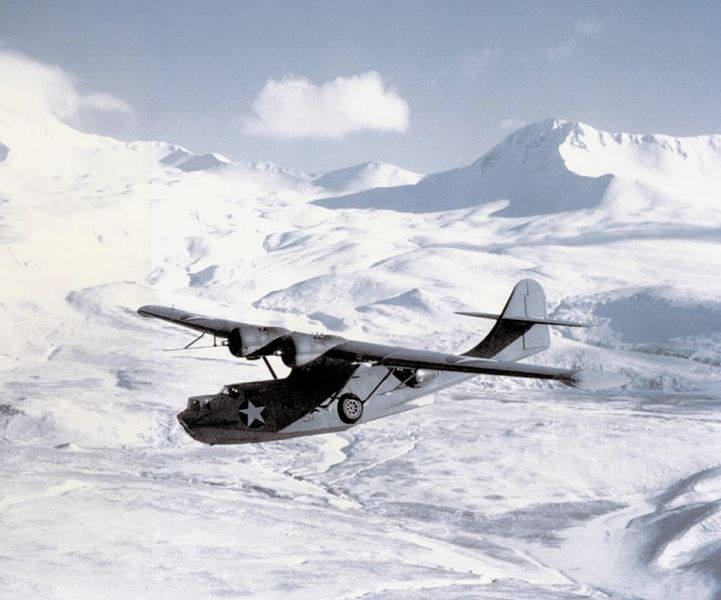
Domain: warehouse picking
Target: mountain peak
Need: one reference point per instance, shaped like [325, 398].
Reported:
[204, 162]
[554, 166]
[365, 176]
[549, 132]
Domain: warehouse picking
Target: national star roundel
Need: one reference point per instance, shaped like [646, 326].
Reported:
[251, 414]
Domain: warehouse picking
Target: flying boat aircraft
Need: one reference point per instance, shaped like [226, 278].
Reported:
[336, 383]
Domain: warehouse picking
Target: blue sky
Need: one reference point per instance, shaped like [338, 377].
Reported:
[466, 72]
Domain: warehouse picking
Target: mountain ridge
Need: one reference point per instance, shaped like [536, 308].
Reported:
[552, 166]
[546, 167]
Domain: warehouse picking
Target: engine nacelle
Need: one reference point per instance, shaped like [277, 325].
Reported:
[249, 339]
[415, 378]
[299, 349]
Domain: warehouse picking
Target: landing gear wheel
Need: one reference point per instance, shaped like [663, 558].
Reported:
[350, 408]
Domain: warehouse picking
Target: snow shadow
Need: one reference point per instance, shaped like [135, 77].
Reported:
[647, 318]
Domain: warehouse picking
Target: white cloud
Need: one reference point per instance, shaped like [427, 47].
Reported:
[32, 88]
[104, 102]
[297, 108]
[583, 28]
[512, 123]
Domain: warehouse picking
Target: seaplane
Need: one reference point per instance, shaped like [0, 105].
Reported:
[336, 383]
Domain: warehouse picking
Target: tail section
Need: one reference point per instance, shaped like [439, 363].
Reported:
[521, 329]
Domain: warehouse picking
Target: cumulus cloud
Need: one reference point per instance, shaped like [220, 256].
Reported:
[295, 107]
[512, 123]
[32, 88]
[583, 28]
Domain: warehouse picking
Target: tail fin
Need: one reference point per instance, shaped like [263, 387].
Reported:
[521, 329]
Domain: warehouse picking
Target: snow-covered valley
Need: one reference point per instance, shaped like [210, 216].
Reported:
[499, 488]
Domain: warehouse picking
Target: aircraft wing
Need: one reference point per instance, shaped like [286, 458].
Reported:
[406, 358]
[212, 325]
[246, 340]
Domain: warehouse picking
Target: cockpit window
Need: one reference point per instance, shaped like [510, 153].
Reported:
[230, 390]
[198, 404]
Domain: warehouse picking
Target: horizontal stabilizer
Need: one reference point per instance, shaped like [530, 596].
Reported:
[531, 320]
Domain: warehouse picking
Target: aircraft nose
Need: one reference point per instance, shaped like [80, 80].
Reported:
[184, 420]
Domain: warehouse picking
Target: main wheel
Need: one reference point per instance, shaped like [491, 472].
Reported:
[350, 408]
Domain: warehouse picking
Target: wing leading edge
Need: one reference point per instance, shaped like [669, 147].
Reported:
[212, 325]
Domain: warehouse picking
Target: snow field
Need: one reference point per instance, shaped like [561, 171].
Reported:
[498, 488]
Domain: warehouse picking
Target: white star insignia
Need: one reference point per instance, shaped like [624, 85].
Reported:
[253, 413]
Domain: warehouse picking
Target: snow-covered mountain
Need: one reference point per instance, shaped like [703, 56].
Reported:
[55, 147]
[500, 488]
[366, 176]
[557, 166]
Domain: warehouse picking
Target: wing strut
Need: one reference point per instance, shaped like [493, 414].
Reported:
[380, 383]
[200, 337]
[195, 341]
[270, 368]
